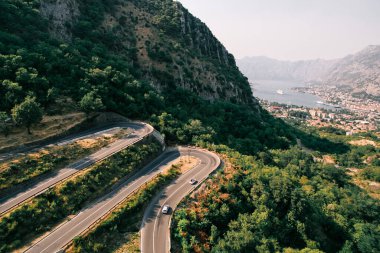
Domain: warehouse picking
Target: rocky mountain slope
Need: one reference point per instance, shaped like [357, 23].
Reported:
[149, 60]
[170, 45]
[358, 73]
[73, 47]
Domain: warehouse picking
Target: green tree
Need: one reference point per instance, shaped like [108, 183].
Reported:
[3, 123]
[91, 103]
[13, 94]
[367, 237]
[194, 131]
[52, 94]
[214, 234]
[27, 113]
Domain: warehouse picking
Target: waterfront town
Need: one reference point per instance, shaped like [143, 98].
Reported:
[343, 98]
[350, 114]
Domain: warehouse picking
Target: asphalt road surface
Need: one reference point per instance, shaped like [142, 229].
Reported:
[66, 232]
[155, 228]
[14, 199]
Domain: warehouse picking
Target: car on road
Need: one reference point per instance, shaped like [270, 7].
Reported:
[166, 209]
[193, 181]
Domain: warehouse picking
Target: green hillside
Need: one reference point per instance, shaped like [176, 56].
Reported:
[152, 60]
[96, 51]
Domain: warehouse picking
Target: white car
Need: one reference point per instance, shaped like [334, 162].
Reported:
[166, 209]
[193, 181]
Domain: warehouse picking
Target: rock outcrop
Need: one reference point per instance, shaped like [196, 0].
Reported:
[61, 15]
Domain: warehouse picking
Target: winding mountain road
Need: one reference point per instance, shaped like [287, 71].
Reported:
[66, 232]
[155, 228]
[139, 131]
[155, 235]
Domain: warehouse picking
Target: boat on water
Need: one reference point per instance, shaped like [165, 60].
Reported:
[320, 102]
[281, 92]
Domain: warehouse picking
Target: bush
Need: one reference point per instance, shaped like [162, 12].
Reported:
[371, 173]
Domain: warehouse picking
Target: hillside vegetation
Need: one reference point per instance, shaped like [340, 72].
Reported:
[281, 201]
[108, 46]
[98, 61]
[50, 126]
[152, 60]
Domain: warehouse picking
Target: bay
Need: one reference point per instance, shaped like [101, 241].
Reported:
[268, 90]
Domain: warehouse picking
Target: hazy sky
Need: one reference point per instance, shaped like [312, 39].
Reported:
[291, 29]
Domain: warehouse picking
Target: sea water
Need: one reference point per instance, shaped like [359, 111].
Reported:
[268, 90]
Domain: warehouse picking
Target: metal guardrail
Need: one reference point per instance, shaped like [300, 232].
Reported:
[159, 137]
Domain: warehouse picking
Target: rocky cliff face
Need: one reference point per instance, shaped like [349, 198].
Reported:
[61, 15]
[201, 38]
[169, 45]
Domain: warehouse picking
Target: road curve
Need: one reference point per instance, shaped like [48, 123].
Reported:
[66, 232]
[155, 227]
[14, 199]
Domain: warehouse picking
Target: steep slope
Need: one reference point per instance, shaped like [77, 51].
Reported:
[148, 59]
[169, 45]
[360, 72]
[55, 46]
[201, 63]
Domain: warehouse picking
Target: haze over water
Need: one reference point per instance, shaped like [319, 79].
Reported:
[267, 90]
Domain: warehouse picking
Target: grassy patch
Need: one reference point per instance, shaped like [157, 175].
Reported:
[371, 173]
[49, 126]
[23, 169]
[368, 179]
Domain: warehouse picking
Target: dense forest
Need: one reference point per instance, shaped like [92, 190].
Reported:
[271, 197]
[279, 201]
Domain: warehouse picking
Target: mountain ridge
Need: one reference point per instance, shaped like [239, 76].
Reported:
[262, 67]
[359, 72]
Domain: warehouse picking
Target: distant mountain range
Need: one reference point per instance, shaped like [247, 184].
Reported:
[358, 73]
[265, 68]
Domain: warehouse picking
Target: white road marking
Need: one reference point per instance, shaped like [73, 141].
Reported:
[167, 199]
[121, 190]
[95, 158]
